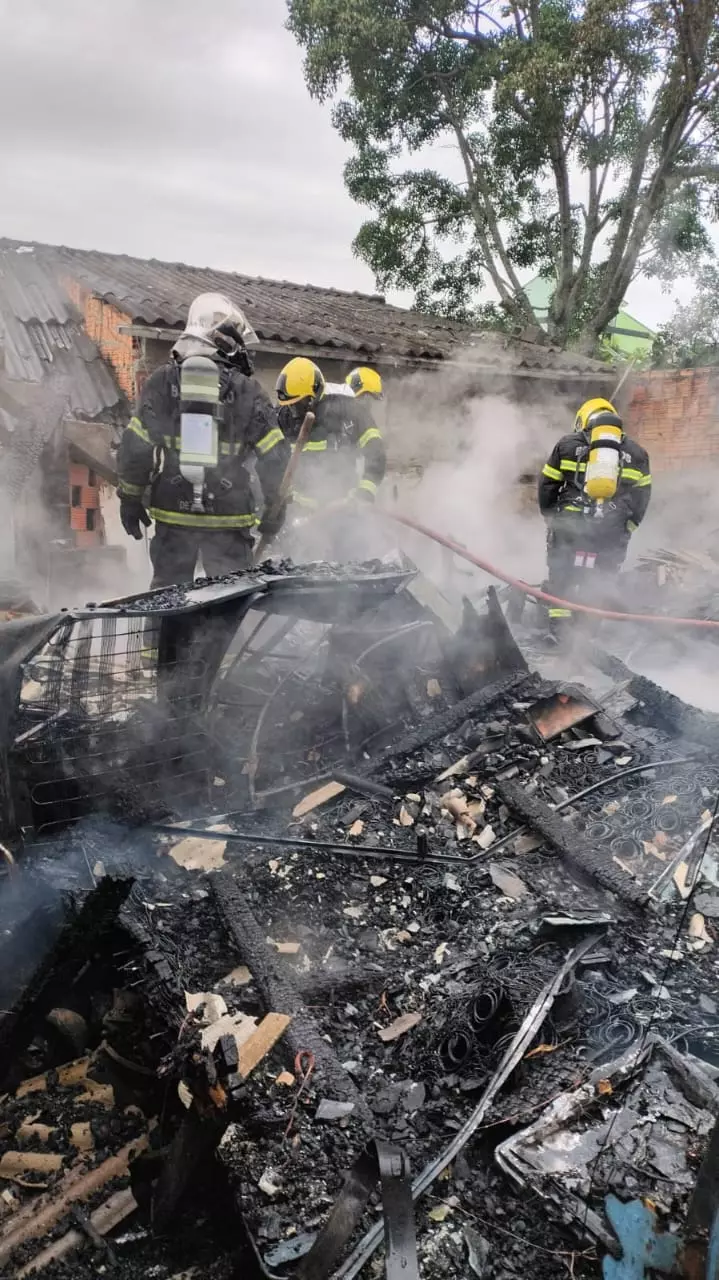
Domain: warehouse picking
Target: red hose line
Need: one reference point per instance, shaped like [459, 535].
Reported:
[652, 618]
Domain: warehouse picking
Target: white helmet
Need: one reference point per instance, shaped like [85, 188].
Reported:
[209, 311]
[338, 389]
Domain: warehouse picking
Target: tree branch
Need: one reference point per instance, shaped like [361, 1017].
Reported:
[478, 39]
[691, 172]
[518, 24]
[645, 210]
[492, 245]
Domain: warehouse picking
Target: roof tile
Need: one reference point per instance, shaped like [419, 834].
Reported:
[49, 368]
[158, 294]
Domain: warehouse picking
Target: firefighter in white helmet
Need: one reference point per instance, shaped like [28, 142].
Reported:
[200, 418]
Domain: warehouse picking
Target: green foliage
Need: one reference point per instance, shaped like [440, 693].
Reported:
[579, 140]
[691, 339]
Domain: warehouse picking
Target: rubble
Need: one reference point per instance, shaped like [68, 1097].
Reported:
[631, 1132]
[454, 914]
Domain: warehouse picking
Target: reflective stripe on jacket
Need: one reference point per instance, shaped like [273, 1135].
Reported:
[344, 434]
[149, 453]
[561, 487]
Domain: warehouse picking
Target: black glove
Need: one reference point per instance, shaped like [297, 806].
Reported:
[133, 514]
[272, 521]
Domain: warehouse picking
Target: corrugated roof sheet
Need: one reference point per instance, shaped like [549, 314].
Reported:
[49, 368]
[158, 294]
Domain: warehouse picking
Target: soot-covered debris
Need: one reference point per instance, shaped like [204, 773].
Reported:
[255, 1015]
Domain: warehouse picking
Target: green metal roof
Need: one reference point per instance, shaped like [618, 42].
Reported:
[625, 334]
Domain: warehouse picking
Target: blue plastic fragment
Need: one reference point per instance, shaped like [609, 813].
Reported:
[644, 1246]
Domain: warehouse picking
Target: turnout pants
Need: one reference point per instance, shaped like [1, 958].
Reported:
[175, 552]
[578, 569]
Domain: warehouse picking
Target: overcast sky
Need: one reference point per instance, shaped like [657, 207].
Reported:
[176, 130]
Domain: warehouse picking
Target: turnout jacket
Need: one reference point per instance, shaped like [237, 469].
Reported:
[149, 453]
[344, 433]
[561, 489]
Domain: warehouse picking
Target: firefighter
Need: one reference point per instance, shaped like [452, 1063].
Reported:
[593, 493]
[200, 419]
[329, 482]
[365, 382]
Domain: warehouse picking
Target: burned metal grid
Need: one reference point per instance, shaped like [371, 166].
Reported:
[96, 727]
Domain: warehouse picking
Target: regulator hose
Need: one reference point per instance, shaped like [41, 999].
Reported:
[661, 620]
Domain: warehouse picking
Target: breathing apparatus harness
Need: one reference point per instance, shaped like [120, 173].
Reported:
[602, 460]
[202, 408]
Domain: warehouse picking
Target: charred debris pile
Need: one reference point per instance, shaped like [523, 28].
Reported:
[335, 941]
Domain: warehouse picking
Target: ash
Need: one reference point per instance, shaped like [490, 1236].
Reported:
[248, 1016]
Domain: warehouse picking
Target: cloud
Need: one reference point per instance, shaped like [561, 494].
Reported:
[169, 129]
[162, 128]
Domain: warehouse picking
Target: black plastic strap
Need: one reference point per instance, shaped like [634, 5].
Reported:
[617, 445]
[398, 1209]
[213, 408]
[604, 418]
[378, 1162]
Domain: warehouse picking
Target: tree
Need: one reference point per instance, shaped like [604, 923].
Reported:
[691, 339]
[586, 133]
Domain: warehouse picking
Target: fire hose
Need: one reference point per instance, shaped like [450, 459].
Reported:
[666, 620]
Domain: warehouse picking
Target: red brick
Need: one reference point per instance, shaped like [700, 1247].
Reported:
[89, 497]
[79, 474]
[89, 538]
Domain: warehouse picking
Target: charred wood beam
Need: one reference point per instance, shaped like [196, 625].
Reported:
[193, 1144]
[678, 718]
[56, 972]
[570, 845]
[447, 721]
[279, 993]
[329, 988]
[160, 983]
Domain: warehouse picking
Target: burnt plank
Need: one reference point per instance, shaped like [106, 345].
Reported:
[569, 844]
[278, 993]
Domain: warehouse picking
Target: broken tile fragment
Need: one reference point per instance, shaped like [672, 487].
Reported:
[399, 1027]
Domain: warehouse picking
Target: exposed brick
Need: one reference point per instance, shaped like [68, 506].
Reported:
[90, 497]
[79, 474]
[675, 415]
[89, 538]
[102, 323]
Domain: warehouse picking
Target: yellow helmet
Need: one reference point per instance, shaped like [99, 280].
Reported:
[299, 380]
[364, 381]
[588, 411]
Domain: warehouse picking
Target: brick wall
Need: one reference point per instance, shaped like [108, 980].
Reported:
[102, 324]
[675, 415]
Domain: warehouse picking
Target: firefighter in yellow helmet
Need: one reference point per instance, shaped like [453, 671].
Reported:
[594, 491]
[365, 382]
[343, 461]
